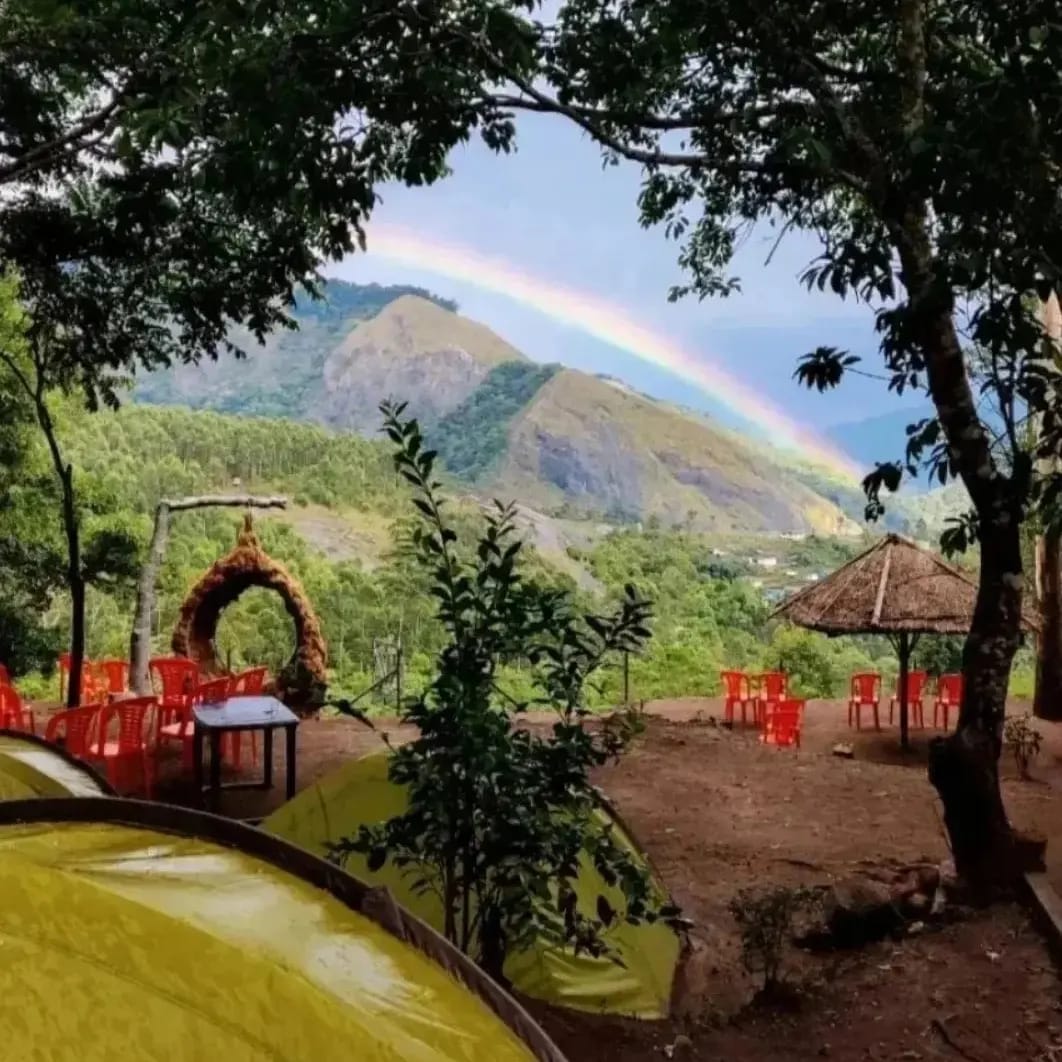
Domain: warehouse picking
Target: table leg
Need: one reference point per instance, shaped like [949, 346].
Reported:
[215, 770]
[267, 752]
[197, 762]
[291, 761]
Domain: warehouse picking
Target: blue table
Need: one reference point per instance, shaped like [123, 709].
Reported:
[233, 716]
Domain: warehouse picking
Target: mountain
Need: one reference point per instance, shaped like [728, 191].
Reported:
[593, 446]
[556, 439]
[413, 348]
[282, 377]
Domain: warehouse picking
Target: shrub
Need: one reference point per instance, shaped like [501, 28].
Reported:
[765, 920]
[498, 817]
[1023, 740]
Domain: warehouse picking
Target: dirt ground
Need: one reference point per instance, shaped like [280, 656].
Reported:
[716, 811]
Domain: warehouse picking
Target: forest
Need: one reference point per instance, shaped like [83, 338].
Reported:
[707, 612]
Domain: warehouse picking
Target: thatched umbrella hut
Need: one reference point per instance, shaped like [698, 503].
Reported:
[895, 588]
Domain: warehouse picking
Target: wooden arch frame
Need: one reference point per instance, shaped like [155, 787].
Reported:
[303, 681]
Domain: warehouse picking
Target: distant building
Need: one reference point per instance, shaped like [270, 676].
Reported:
[767, 562]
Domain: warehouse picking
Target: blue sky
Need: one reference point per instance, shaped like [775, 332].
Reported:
[552, 209]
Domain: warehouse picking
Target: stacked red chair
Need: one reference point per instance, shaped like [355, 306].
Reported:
[782, 722]
[737, 693]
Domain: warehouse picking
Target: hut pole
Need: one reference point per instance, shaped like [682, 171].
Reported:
[904, 644]
[904, 650]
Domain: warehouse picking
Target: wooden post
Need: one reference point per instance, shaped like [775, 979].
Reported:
[398, 678]
[140, 640]
[905, 660]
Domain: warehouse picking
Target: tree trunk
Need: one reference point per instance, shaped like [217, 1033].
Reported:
[76, 581]
[71, 528]
[140, 638]
[965, 766]
[492, 952]
[77, 640]
[1047, 701]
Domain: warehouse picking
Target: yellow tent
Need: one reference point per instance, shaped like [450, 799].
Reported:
[361, 794]
[32, 767]
[127, 933]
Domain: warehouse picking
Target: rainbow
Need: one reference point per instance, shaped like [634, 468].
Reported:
[613, 325]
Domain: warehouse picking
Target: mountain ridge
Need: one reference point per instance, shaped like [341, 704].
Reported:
[552, 437]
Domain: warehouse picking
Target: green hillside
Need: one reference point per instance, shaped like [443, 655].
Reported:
[597, 447]
[472, 440]
[559, 440]
[414, 350]
[281, 377]
[343, 537]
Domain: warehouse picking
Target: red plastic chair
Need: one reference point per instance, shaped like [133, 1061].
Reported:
[737, 690]
[865, 692]
[781, 723]
[213, 692]
[131, 749]
[95, 687]
[916, 684]
[217, 691]
[63, 663]
[115, 673]
[175, 678]
[250, 683]
[78, 729]
[949, 695]
[771, 688]
[14, 715]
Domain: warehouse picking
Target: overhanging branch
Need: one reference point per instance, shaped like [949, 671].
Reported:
[98, 122]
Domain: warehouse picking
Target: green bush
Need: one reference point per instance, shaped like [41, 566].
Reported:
[499, 817]
[766, 920]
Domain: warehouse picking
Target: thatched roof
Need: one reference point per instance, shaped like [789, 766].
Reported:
[894, 586]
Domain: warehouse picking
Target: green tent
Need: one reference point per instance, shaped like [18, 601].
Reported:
[143, 931]
[360, 793]
[32, 767]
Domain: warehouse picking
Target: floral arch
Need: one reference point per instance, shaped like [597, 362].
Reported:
[303, 681]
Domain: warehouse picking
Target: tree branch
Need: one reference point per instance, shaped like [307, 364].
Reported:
[34, 157]
[587, 119]
[686, 120]
[539, 101]
[241, 501]
[913, 64]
